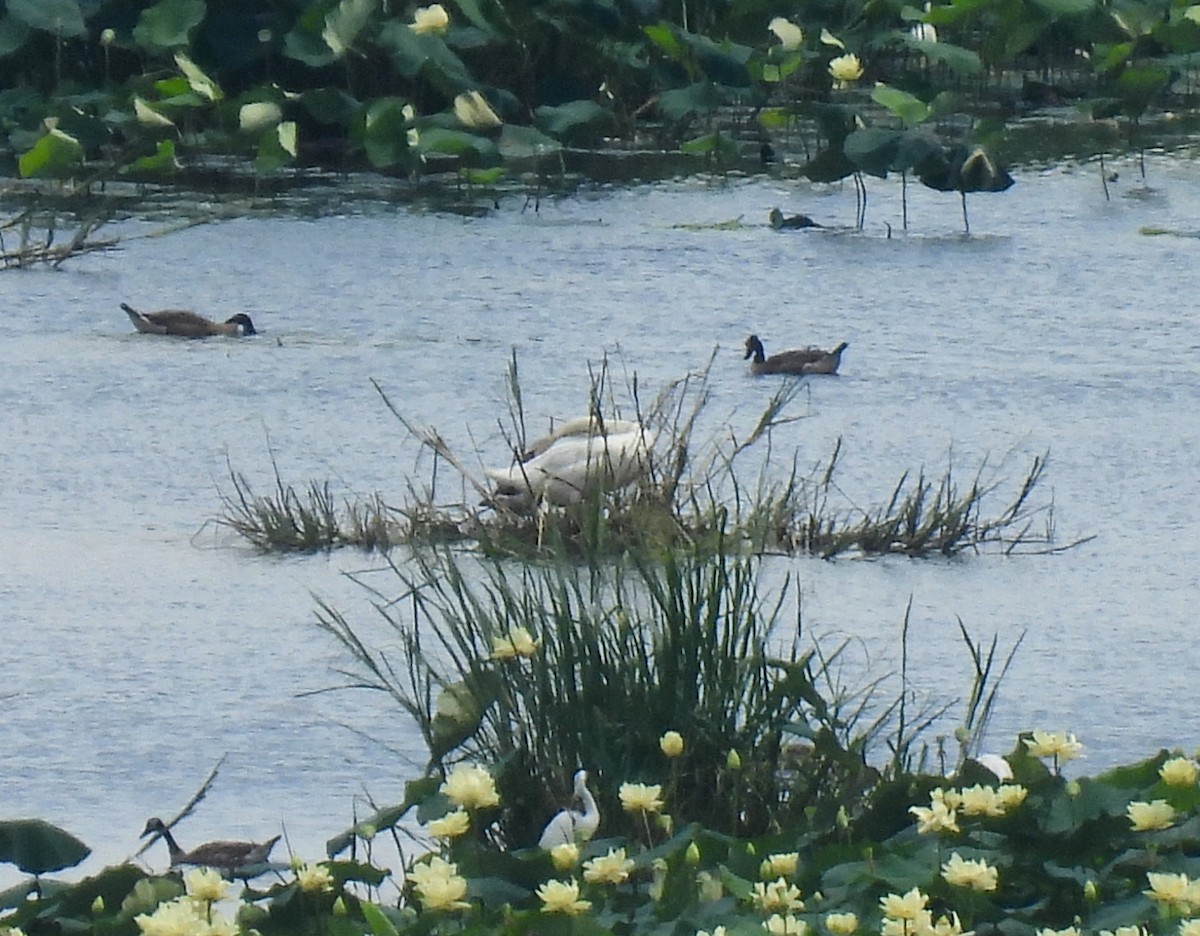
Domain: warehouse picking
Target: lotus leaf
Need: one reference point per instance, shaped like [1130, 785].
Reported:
[62, 17]
[37, 847]
[166, 25]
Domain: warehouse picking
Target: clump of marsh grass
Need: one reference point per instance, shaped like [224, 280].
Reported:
[542, 668]
[701, 489]
[290, 520]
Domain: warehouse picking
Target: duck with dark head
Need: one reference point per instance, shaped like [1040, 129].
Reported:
[184, 324]
[229, 857]
[801, 361]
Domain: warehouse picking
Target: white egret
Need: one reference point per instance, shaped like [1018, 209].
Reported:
[573, 466]
[573, 825]
[800, 361]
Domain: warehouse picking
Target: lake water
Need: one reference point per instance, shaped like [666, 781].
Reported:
[138, 644]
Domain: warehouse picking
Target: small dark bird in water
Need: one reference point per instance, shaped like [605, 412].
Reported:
[225, 856]
[781, 222]
[800, 361]
[185, 324]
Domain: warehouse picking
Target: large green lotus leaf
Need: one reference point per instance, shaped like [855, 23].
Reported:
[956, 11]
[163, 161]
[723, 63]
[663, 36]
[428, 56]
[476, 149]
[304, 42]
[1138, 84]
[919, 153]
[567, 120]
[345, 22]
[1057, 8]
[330, 106]
[166, 25]
[830, 165]
[276, 148]
[873, 149]
[36, 846]
[385, 132]
[473, 11]
[13, 34]
[1020, 36]
[415, 792]
[526, 143]
[956, 58]
[680, 103]
[908, 107]
[62, 17]
[52, 156]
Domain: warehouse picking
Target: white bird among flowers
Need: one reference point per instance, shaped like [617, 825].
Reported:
[571, 825]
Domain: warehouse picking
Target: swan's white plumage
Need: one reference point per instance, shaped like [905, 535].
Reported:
[580, 426]
[573, 825]
[574, 465]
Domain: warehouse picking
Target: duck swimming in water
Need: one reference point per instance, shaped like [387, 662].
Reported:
[184, 324]
[799, 361]
[225, 856]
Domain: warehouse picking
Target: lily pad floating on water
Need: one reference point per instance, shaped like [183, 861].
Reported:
[37, 847]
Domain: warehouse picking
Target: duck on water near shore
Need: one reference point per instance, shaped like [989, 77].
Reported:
[799, 361]
[184, 324]
[223, 855]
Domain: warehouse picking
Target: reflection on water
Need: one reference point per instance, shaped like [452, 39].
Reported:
[140, 645]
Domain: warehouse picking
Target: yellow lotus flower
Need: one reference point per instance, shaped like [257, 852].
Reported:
[921, 926]
[1069, 931]
[781, 865]
[612, 868]
[1149, 817]
[430, 20]
[935, 818]
[776, 895]
[562, 897]
[788, 925]
[1011, 795]
[717, 931]
[518, 642]
[946, 926]
[692, 854]
[174, 918]
[846, 68]
[473, 110]
[841, 924]
[205, 884]
[976, 875]
[443, 892]
[314, 879]
[1179, 771]
[1174, 891]
[1062, 747]
[903, 906]
[435, 867]
[641, 797]
[790, 36]
[671, 744]
[470, 787]
[147, 116]
[565, 855]
[451, 825]
[981, 800]
[733, 761]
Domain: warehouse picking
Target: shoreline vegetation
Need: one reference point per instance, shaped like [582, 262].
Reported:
[691, 495]
[112, 109]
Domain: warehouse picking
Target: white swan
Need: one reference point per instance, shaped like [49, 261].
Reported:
[573, 825]
[573, 466]
[579, 426]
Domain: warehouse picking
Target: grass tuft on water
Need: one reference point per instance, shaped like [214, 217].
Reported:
[693, 494]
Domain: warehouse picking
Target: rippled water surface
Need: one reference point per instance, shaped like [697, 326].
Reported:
[138, 645]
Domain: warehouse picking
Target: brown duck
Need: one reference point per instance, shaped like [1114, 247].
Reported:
[800, 361]
[184, 324]
[226, 856]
